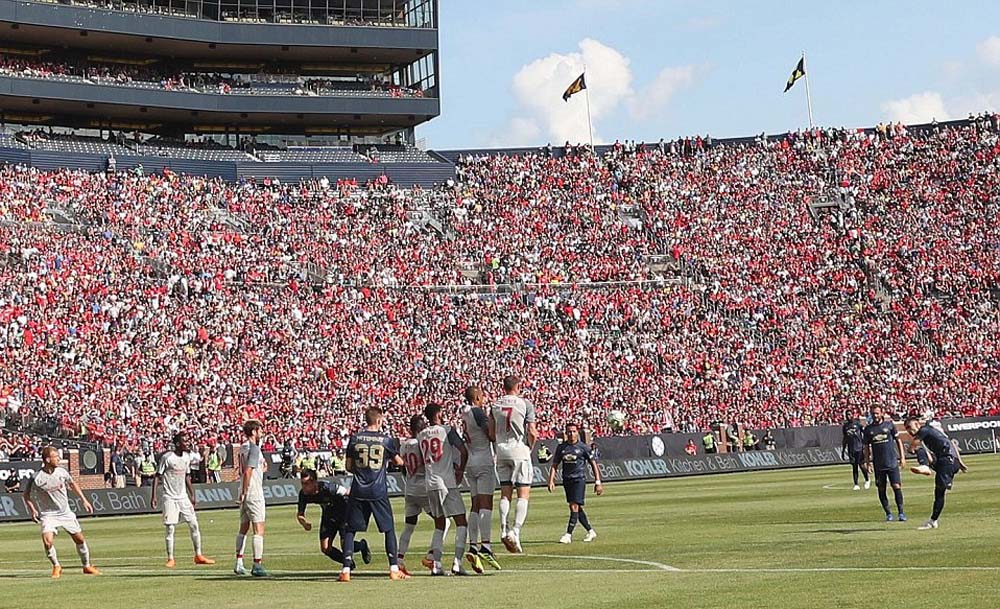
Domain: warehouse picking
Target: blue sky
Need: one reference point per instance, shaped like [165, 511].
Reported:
[664, 68]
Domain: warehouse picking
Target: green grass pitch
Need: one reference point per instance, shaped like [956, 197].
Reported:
[787, 539]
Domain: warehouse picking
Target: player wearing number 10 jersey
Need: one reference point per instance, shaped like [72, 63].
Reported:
[368, 454]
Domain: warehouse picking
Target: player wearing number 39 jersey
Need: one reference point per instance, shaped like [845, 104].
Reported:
[512, 424]
[369, 452]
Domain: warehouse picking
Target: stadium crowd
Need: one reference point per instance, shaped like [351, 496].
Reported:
[810, 274]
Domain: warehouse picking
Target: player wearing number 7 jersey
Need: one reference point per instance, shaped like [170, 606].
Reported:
[369, 452]
[512, 424]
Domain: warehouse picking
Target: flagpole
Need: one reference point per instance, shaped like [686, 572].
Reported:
[590, 122]
[809, 103]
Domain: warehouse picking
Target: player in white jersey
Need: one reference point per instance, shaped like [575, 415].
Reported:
[415, 496]
[252, 468]
[48, 503]
[512, 425]
[481, 475]
[445, 458]
[173, 473]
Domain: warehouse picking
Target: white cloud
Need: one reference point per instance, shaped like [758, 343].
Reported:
[989, 50]
[919, 108]
[655, 97]
[543, 115]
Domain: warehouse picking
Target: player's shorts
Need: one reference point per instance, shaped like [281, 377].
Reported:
[856, 458]
[67, 522]
[445, 504]
[575, 491]
[414, 505]
[329, 528]
[944, 473]
[518, 473]
[175, 509]
[252, 510]
[882, 475]
[482, 479]
[360, 511]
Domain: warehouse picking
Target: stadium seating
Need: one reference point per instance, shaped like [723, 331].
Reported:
[770, 282]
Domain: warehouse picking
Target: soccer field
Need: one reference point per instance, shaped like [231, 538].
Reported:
[788, 539]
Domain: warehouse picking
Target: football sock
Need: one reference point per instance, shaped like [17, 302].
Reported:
[334, 554]
[883, 497]
[404, 539]
[391, 549]
[520, 514]
[485, 526]
[258, 548]
[583, 519]
[348, 538]
[573, 517]
[170, 541]
[461, 534]
[504, 512]
[898, 493]
[938, 502]
[473, 529]
[195, 531]
[241, 542]
[437, 541]
[84, 552]
[53, 558]
[864, 472]
[854, 472]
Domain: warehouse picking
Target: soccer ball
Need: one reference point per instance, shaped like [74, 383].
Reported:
[616, 419]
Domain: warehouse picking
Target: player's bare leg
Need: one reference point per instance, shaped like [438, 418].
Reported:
[48, 540]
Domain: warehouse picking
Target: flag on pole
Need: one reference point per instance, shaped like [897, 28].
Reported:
[577, 85]
[797, 73]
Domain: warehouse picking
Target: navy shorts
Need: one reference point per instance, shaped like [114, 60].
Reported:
[575, 491]
[945, 471]
[329, 528]
[360, 511]
[892, 475]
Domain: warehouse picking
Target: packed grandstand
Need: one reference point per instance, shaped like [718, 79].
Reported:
[769, 282]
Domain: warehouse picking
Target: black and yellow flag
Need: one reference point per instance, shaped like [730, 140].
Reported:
[578, 85]
[797, 73]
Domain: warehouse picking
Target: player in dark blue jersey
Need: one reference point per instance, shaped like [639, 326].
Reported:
[369, 453]
[884, 449]
[332, 499]
[853, 448]
[574, 456]
[947, 463]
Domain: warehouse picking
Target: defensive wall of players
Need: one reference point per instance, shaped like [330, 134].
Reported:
[974, 435]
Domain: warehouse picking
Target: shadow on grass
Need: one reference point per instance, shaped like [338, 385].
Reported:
[847, 531]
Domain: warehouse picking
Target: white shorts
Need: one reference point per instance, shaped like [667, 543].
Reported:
[252, 510]
[517, 473]
[414, 505]
[445, 504]
[175, 509]
[482, 479]
[67, 522]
